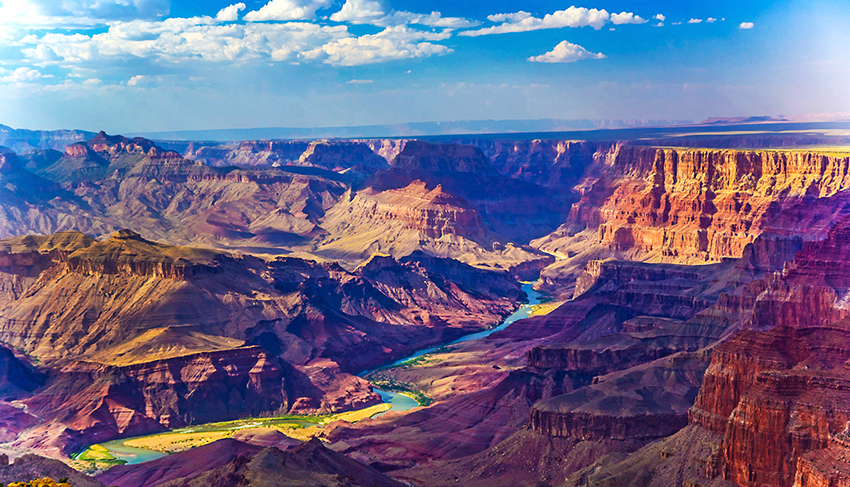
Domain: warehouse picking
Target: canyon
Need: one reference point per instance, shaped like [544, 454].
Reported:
[694, 330]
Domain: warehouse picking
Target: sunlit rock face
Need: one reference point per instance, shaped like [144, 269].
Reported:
[694, 206]
[148, 335]
[779, 396]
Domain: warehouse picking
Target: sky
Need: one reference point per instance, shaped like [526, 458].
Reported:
[130, 66]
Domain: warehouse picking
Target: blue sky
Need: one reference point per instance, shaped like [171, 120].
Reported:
[156, 65]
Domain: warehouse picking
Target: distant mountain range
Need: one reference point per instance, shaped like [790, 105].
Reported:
[408, 129]
[22, 140]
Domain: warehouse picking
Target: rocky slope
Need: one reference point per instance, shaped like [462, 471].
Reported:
[149, 335]
[305, 465]
[31, 467]
[770, 409]
[112, 182]
[418, 218]
[513, 209]
[695, 205]
[598, 372]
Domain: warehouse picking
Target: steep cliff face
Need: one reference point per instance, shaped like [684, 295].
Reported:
[418, 217]
[778, 397]
[514, 210]
[248, 153]
[342, 156]
[775, 396]
[138, 398]
[699, 205]
[630, 405]
[549, 163]
[104, 154]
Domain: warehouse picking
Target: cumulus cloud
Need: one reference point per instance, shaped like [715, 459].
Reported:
[376, 12]
[361, 82]
[287, 10]
[519, 22]
[659, 17]
[695, 21]
[231, 13]
[399, 42]
[135, 80]
[185, 40]
[204, 39]
[23, 75]
[627, 18]
[566, 52]
[746, 25]
[711, 20]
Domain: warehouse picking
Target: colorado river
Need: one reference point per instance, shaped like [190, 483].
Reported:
[401, 402]
[397, 402]
[129, 454]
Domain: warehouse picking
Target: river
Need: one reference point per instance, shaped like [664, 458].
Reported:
[398, 402]
[401, 402]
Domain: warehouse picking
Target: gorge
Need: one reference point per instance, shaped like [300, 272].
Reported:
[686, 326]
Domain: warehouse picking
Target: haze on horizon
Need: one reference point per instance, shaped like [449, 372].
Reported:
[162, 65]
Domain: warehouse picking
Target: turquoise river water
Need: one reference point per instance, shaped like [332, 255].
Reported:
[399, 402]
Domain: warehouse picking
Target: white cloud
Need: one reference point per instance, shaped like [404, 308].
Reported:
[659, 17]
[179, 40]
[376, 12]
[360, 12]
[627, 18]
[746, 25]
[92, 82]
[287, 10]
[571, 17]
[711, 20]
[135, 80]
[231, 13]
[392, 43]
[23, 75]
[695, 21]
[566, 52]
[361, 82]
[514, 17]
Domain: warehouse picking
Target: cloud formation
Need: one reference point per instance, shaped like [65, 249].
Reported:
[376, 12]
[627, 18]
[206, 39]
[231, 13]
[399, 42]
[746, 25]
[287, 10]
[23, 75]
[523, 22]
[566, 52]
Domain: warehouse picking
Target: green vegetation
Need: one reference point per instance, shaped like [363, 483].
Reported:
[44, 482]
[98, 457]
[391, 384]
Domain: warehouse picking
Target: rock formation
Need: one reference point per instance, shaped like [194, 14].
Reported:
[696, 205]
[149, 335]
